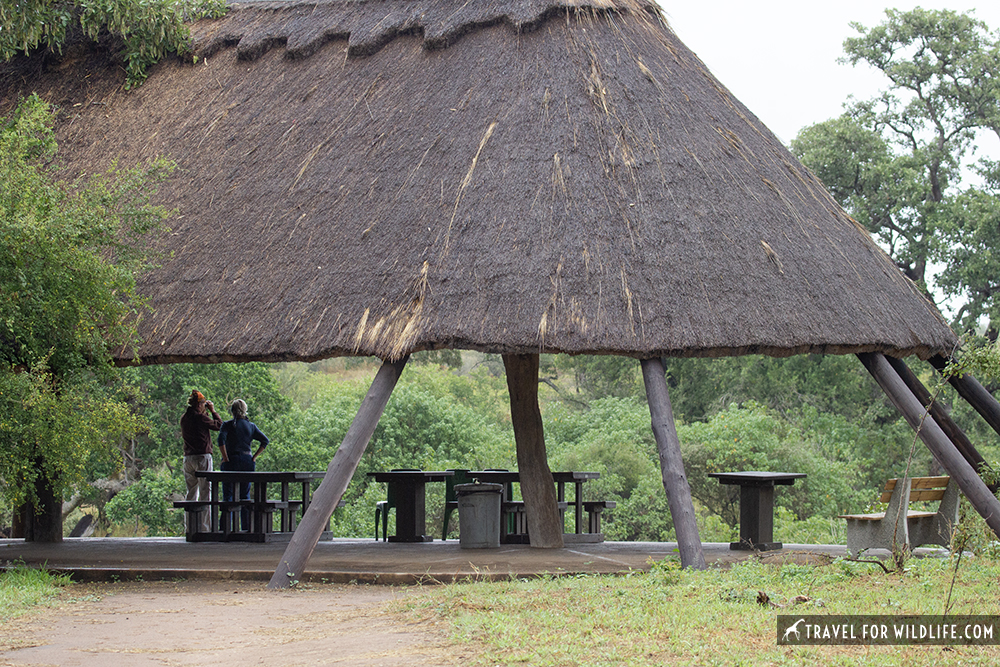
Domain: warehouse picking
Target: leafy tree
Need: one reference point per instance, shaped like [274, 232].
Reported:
[896, 163]
[971, 234]
[144, 506]
[598, 376]
[837, 384]
[148, 29]
[447, 358]
[434, 420]
[70, 252]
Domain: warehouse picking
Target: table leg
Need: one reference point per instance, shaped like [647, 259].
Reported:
[411, 523]
[260, 517]
[306, 491]
[756, 519]
[214, 516]
[285, 512]
[579, 506]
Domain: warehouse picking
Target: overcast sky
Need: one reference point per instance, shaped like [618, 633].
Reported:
[779, 57]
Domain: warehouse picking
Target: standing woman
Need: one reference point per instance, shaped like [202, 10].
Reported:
[235, 442]
[196, 428]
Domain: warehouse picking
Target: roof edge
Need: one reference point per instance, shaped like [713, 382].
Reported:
[924, 352]
[303, 27]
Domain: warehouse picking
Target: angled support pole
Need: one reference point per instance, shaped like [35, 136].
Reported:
[940, 415]
[973, 392]
[541, 509]
[672, 465]
[338, 476]
[928, 430]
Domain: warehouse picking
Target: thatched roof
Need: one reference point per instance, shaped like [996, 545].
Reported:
[379, 177]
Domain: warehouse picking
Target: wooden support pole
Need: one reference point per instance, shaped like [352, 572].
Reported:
[338, 476]
[974, 393]
[672, 465]
[541, 509]
[941, 447]
[941, 416]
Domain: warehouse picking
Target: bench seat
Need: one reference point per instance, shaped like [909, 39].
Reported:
[594, 509]
[879, 530]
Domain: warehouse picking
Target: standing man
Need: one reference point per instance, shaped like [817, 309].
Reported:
[196, 428]
[235, 443]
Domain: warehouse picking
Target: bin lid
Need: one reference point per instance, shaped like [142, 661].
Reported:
[483, 487]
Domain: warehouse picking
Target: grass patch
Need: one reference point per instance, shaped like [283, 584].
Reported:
[705, 618]
[22, 588]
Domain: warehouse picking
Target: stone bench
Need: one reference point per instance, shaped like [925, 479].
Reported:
[881, 530]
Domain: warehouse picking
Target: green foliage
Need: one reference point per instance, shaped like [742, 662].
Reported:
[752, 438]
[601, 376]
[830, 383]
[149, 29]
[52, 429]
[167, 388]
[897, 163]
[614, 438]
[69, 256]
[70, 251]
[435, 419]
[447, 358]
[145, 506]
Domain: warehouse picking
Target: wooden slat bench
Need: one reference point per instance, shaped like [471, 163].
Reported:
[261, 516]
[514, 521]
[880, 530]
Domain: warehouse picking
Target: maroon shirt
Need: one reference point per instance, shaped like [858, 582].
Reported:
[195, 430]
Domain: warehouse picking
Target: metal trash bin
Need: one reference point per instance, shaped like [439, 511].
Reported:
[478, 515]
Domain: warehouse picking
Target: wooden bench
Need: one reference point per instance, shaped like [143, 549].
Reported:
[882, 530]
[514, 521]
[261, 514]
[594, 508]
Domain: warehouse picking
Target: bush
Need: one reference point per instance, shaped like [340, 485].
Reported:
[146, 506]
[752, 438]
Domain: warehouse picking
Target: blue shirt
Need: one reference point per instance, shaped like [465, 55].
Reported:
[236, 435]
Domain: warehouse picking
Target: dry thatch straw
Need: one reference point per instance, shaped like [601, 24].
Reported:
[388, 176]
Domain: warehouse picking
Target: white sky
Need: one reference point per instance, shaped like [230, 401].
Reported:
[779, 57]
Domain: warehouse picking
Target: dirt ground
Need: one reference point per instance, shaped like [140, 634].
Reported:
[223, 623]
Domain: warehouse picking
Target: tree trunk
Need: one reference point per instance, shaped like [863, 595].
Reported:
[541, 507]
[338, 476]
[941, 447]
[43, 521]
[672, 465]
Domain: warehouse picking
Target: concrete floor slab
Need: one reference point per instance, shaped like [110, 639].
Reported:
[363, 560]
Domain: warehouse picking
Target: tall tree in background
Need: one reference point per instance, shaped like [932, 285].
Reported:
[69, 253]
[899, 163]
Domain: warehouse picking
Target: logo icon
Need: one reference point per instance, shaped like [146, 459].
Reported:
[793, 628]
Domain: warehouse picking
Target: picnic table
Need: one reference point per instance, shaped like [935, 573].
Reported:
[756, 506]
[513, 511]
[409, 494]
[224, 525]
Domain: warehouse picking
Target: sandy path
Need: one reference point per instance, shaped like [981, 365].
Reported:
[223, 623]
